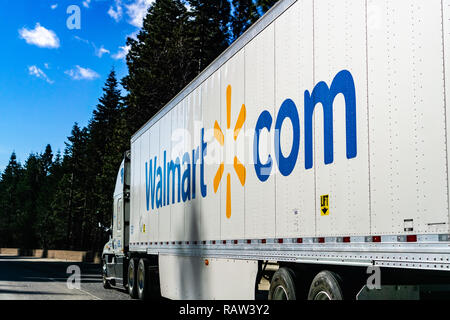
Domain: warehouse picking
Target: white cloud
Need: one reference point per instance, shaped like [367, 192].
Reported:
[116, 13]
[133, 35]
[137, 11]
[122, 53]
[100, 52]
[35, 71]
[80, 73]
[47, 66]
[86, 3]
[40, 37]
[81, 39]
[54, 6]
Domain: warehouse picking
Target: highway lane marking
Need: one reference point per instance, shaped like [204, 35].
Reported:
[88, 293]
[52, 279]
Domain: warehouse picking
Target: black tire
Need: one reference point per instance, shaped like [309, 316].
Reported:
[131, 276]
[326, 285]
[142, 280]
[282, 286]
[106, 283]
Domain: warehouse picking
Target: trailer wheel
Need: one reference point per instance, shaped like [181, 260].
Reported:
[106, 283]
[142, 279]
[132, 287]
[282, 286]
[326, 286]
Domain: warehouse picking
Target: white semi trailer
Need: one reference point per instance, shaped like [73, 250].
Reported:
[317, 143]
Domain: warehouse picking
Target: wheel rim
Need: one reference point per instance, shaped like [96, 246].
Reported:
[322, 295]
[140, 278]
[131, 277]
[280, 293]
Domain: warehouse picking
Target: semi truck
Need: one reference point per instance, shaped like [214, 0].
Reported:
[310, 160]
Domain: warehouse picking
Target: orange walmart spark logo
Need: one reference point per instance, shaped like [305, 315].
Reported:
[239, 168]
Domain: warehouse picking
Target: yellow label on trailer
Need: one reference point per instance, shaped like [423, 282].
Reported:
[325, 205]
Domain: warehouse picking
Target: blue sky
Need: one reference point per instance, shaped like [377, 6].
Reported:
[52, 76]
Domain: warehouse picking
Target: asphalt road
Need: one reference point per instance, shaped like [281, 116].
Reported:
[23, 278]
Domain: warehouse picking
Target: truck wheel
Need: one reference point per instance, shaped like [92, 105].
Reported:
[106, 283]
[132, 287]
[326, 286]
[282, 286]
[142, 279]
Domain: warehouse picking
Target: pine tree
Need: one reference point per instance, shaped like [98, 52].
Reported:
[47, 160]
[31, 183]
[9, 201]
[160, 62]
[72, 189]
[210, 25]
[107, 146]
[105, 117]
[265, 5]
[247, 12]
[45, 222]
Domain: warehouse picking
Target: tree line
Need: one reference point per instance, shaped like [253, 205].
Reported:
[56, 201]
